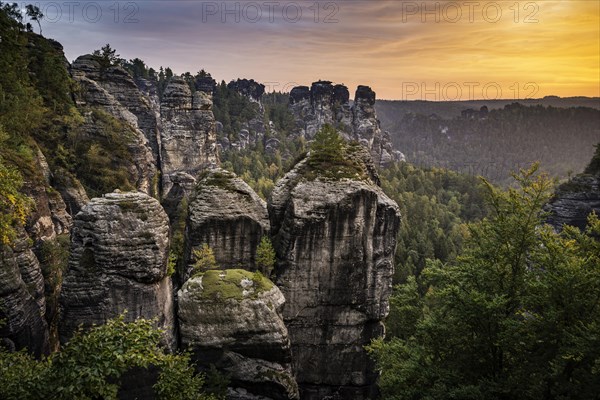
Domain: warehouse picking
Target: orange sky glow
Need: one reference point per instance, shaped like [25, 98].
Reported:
[422, 50]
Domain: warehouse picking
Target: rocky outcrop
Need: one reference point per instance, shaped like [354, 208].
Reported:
[335, 242]
[30, 271]
[122, 87]
[252, 129]
[325, 103]
[71, 190]
[225, 213]
[119, 83]
[21, 308]
[232, 319]
[49, 216]
[248, 87]
[188, 135]
[118, 263]
[24, 309]
[205, 84]
[105, 90]
[574, 201]
[321, 104]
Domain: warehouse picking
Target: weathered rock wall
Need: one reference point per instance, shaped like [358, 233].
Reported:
[118, 263]
[325, 103]
[21, 306]
[226, 214]
[335, 243]
[107, 90]
[574, 201]
[188, 135]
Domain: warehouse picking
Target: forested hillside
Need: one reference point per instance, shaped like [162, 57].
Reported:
[496, 141]
[515, 316]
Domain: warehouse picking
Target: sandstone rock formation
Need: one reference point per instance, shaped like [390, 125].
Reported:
[248, 87]
[252, 129]
[325, 103]
[232, 319]
[119, 83]
[21, 308]
[188, 135]
[49, 217]
[574, 201]
[225, 213]
[205, 84]
[335, 243]
[105, 90]
[118, 262]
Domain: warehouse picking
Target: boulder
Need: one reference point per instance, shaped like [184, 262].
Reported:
[232, 319]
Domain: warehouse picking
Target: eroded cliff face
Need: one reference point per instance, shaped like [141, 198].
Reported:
[26, 302]
[334, 241]
[252, 131]
[325, 103]
[225, 213]
[114, 92]
[22, 304]
[118, 263]
[232, 319]
[188, 135]
[335, 244]
[574, 201]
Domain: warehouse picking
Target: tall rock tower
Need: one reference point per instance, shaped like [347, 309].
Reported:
[335, 241]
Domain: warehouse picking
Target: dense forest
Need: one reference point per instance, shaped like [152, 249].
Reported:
[515, 316]
[495, 142]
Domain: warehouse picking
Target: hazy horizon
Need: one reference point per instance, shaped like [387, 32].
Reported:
[404, 50]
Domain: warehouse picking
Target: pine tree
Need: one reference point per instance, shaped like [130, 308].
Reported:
[205, 259]
[265, 256]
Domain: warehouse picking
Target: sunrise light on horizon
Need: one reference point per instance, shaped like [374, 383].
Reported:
[404, 50]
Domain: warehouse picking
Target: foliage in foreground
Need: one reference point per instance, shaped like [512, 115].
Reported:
[515, 316]
[13, 204]
[91, 364]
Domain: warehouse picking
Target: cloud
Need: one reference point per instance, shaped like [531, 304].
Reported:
[379, 43]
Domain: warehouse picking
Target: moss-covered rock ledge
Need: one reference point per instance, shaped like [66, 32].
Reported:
[232, 319]
[237, 284]
[227, 215]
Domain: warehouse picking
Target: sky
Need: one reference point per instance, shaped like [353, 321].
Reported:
[404, 50]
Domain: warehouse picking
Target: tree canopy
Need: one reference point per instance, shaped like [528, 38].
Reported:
[515, 316]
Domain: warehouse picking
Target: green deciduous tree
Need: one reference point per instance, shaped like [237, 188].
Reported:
[91, 364]
[515, 316]
[13, 204]
[35, 14]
